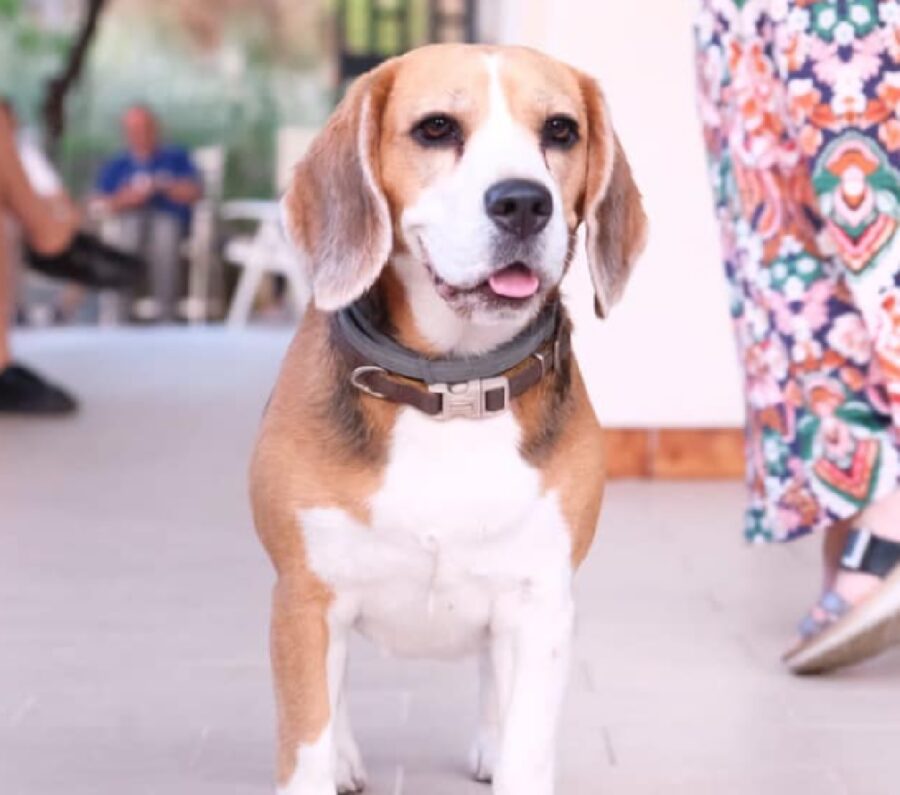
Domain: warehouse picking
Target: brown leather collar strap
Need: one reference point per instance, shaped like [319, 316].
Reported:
[481, 397]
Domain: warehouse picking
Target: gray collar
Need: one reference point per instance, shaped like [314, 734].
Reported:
[371, 345]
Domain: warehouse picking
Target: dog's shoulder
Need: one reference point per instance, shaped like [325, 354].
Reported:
[318, 445]
[563, 439]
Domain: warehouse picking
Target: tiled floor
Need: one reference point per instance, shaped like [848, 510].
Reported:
[133, 602]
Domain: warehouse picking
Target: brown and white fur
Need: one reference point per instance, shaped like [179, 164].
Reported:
[437, 538]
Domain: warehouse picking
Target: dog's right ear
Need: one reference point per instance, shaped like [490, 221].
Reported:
[335, 209]
[613, 210]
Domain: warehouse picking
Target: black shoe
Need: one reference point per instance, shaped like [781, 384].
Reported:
[24, 392]
[90, 262]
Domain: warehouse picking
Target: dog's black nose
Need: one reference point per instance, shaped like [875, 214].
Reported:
[519, 206]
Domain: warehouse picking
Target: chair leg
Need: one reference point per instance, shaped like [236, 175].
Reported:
[200, 255]
[299, 289]
[242, 303]
[110, 308]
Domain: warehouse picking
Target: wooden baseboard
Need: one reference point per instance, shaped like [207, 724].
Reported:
[675, 453]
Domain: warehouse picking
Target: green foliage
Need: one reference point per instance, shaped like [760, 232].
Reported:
[29, 55]
[30, 41]
[10, 8]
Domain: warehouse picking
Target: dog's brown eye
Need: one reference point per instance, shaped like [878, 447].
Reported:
[437, 130]
[560, 131]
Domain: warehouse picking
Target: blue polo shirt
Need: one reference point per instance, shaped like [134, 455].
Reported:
[170, 162]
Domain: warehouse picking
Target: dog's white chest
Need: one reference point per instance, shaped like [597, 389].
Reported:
[454, 482]
[460, 521]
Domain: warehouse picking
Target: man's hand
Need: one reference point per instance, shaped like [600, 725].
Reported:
[182, 191]
[139, 192]
[130, 197]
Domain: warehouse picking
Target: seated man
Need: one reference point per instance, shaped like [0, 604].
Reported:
[150, 189]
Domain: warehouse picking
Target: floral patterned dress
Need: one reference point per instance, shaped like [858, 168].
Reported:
[800, 104]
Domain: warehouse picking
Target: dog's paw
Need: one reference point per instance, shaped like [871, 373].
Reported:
[483, 756]
[351, 773]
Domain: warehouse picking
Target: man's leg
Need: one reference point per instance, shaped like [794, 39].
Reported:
[163, 253]
[132, 231]
[127, 230]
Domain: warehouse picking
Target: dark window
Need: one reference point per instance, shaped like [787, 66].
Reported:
[370, 31]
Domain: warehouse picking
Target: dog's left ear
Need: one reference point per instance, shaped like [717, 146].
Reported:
[335, 209]
[613, 212]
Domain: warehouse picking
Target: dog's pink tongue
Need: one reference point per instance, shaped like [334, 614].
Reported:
[514, 281]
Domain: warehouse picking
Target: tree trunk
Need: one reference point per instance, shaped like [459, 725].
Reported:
[54, 108]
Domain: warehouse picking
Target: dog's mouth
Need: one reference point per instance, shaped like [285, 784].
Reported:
[516, 281]
[512, 284]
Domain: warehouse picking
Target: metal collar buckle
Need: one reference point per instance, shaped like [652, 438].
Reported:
[550, 360]
[358, 379]
[469, 398]
[853, 558]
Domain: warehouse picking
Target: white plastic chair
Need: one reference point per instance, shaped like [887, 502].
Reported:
[266, 251]
[291, 145]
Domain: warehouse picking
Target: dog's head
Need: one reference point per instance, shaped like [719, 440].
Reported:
[469, 169]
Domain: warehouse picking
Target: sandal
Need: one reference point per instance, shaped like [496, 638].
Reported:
[833, 606]
[849, 634]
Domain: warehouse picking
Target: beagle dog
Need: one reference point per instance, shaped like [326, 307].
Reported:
[429, 470]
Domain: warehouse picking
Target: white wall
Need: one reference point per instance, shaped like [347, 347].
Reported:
[666, 357]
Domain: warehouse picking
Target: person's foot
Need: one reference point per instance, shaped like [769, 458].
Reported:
[90, 262]
[23, 391]
[859, 614]
[850, 587]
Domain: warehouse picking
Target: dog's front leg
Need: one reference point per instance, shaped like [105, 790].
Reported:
[483, 756]
[532, 650]
[309, 652]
